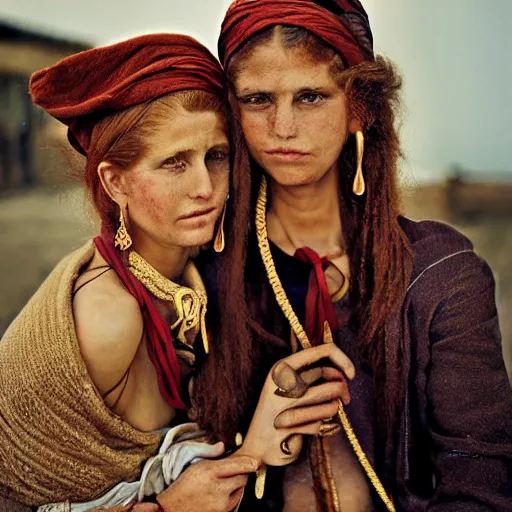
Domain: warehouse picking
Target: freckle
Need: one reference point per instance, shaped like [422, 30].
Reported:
[146, 190]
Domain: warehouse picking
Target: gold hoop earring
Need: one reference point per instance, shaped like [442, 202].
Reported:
[358, 187]
[220, 242]
[123, 240]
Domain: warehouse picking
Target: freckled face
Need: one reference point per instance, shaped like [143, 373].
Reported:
[293, 114]
[176, 192]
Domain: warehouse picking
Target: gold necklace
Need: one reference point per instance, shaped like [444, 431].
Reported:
[190, 304]
[300, 333]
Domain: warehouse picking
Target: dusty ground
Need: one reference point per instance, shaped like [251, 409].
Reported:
[40, 226]
[37, 229]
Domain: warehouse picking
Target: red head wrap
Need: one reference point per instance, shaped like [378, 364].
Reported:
[343, 24]
[82, 89]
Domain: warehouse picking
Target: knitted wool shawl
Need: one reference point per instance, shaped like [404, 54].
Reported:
[58, 439]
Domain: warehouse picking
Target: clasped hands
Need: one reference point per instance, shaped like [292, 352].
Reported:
[301, 393]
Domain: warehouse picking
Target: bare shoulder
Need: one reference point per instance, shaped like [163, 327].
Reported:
[109, 327]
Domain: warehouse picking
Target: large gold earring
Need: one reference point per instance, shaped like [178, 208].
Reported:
[123, 240]
[358, 187]
[219, 242]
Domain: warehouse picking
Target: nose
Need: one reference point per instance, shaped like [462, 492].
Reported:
[284, 124]
[201, 185]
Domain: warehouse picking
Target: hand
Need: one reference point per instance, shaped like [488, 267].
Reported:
[209, 485]
[145, 507]
[279, 422]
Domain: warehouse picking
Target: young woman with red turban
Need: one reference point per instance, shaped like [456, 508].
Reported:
[96, 370]
[319, 252]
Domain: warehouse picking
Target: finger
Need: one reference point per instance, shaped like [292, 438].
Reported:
[233, 483]
[289, 382]
[235, 498]
[308, 429]
[329, 429]
[235, 465]
[325, 392]
[302, 415]
[312, 355]
[146, 507]
[321, 372]
[312, 375]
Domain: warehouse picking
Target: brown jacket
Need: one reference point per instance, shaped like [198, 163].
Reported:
[454, 449]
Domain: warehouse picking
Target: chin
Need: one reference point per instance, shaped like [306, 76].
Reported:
[197, 238]
[289, 178]
[299, 176]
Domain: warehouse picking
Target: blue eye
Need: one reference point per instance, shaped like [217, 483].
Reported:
[256, 99]
[311, 98]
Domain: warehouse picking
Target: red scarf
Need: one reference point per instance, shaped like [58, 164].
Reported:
[84, 88]
[343, 24]
[160, 347]
[319, 306]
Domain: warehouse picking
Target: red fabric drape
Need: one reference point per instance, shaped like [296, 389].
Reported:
[83, 88]
[319, 306]
[160, 347]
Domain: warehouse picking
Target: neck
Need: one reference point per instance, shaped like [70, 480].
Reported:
[168, 260]
[307, 216]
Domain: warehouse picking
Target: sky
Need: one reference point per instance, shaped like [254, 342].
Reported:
[455, 56]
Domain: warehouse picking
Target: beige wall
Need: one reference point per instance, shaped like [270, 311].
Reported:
[25, 58]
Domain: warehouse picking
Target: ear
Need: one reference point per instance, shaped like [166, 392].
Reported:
[113, 181]
[354, 126]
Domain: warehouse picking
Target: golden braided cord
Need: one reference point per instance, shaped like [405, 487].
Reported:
[190, 305]
[275, 282]
[300, 333]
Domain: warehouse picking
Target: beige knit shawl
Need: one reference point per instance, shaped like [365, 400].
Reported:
[58, 440]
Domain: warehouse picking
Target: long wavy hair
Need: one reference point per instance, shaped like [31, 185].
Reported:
[379, 252]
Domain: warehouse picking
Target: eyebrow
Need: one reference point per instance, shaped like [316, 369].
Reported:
[179, 154]
[186, 153]
[250, 92]
[221, 145]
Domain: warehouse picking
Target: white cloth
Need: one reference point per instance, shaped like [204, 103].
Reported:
[180, 448]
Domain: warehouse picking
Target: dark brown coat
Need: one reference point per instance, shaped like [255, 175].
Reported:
[454, 446]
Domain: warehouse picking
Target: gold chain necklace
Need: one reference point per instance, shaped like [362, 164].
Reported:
[300, 333]
[190, 304]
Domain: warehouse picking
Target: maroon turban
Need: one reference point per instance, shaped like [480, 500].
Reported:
[343, 24]
[82, 89]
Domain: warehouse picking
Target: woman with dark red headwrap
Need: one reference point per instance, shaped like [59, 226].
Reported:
[319, 252]
[90, 369]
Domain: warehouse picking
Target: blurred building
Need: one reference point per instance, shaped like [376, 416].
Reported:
[21, 123]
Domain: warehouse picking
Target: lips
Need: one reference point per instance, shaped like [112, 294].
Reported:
[286, 155]
[286, 151]
[196, 213]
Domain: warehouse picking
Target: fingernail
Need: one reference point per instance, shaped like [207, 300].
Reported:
[329, 429]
